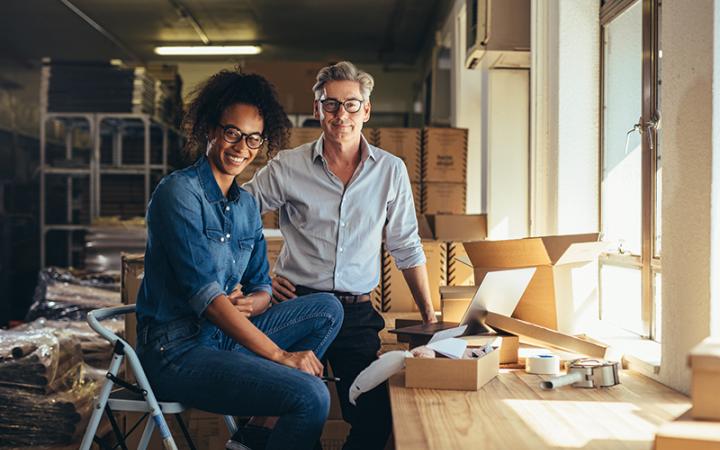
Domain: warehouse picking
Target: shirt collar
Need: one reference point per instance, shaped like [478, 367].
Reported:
[366, 150]
[210, 186]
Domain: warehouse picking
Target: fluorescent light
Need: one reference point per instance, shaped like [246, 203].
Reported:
[209, 50]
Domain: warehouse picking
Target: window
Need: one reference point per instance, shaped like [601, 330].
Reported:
[630, 165]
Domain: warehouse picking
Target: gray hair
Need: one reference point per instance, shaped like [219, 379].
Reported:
[344, 71]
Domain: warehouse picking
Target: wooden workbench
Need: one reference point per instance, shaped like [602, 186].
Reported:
[512, 413]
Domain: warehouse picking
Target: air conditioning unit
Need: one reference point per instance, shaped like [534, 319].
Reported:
[496, 26]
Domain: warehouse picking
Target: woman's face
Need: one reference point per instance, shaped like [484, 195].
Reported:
[231, 158]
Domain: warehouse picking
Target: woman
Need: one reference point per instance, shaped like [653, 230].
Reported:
[202, 341]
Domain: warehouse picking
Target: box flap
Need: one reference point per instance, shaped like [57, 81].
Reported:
[513, 253]
[706, 355]
[424, 229]
[583, 252]
[556, 246]
[536, 334]
[458, 227]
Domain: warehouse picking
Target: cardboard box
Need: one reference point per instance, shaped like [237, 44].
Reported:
[406, 144]
[537, 335]
[704, 360]
[444, 156]
[684, 433]
[458, 228]
[443, 198]
[207, 430]
[300, 136]
[396, 294]
[417, 197]
[549, 299]
[271, 220]
[133, 270]
[457, 374]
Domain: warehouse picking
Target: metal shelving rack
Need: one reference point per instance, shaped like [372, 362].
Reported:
[96, 125]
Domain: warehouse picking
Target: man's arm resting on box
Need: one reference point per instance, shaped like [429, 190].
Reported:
[417, 280]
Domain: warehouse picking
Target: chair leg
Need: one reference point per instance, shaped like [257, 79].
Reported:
[185, 433]
[147, 433]
[120, 436]
[100, 405]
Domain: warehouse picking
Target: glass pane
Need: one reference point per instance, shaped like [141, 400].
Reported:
[621, 177]
[657, 310]
[621, 297]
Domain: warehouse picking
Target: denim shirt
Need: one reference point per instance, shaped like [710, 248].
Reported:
[200, 244]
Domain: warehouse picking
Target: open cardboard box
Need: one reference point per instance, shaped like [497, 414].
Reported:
[561, 288]
[466, 374]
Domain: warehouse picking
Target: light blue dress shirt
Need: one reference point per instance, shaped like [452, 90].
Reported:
[333, 232]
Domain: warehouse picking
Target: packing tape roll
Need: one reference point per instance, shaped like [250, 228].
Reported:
[542, 364]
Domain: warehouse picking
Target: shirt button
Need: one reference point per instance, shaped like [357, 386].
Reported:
[227, 208]
[341, 249]
[222, 239]
[227, 235]
[342, 224]
[233, 261]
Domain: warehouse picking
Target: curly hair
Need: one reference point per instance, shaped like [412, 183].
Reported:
[210, 99]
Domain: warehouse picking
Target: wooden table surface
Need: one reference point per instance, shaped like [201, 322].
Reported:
[512, 413]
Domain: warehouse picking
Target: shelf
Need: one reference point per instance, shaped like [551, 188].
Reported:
[129, 169]
[60, 227]
[48, 170]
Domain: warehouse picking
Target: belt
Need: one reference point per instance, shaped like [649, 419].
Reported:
[346, 298]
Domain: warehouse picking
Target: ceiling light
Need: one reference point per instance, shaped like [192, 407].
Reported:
[209, 50]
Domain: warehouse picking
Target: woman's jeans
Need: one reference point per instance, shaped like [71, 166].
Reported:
[193, 362]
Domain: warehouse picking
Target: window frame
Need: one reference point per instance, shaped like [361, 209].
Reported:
[647, 261]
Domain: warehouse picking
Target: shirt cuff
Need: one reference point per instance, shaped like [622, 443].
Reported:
[260, 288]
[409, 258]
[202, 298]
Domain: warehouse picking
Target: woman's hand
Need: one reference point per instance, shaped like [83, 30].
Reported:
[305, 361]
[243, 304]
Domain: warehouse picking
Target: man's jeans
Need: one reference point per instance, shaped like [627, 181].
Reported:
[195, 363]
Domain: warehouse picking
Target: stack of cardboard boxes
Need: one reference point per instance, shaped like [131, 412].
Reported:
[444, 167]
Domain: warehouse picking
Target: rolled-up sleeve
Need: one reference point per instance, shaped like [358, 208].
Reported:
[256, 277]
[174, 219]
[401, 230]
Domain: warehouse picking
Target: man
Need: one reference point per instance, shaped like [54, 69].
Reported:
[339, 198]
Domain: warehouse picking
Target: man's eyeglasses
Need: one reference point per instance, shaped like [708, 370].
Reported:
[332, 105]
[233, 135]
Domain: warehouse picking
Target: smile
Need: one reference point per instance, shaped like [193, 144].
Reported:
[236, 159]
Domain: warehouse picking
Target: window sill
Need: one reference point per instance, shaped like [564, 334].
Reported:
[636, 353]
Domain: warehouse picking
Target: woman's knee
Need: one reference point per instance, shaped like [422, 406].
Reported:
[313, 400]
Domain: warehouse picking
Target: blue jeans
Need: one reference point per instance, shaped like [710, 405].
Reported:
[195, 363]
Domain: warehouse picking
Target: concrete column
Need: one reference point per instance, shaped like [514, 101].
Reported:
[690, 185]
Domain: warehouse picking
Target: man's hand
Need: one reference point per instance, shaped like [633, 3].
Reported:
[429, 318]
[282, 288]
[305, 361]
[241, 303]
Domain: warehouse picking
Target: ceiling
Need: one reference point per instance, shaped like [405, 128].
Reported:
[366, 31]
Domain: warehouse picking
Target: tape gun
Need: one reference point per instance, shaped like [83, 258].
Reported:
[587, 373]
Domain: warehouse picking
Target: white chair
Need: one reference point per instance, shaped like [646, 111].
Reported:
[129, 397]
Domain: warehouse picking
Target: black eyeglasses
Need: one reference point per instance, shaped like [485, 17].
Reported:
[332, 105]
[233, 135]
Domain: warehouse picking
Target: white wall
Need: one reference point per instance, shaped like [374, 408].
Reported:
[565, 116]
[689, 108]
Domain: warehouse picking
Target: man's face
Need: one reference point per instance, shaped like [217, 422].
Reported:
[228, 157]
[342, 126]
